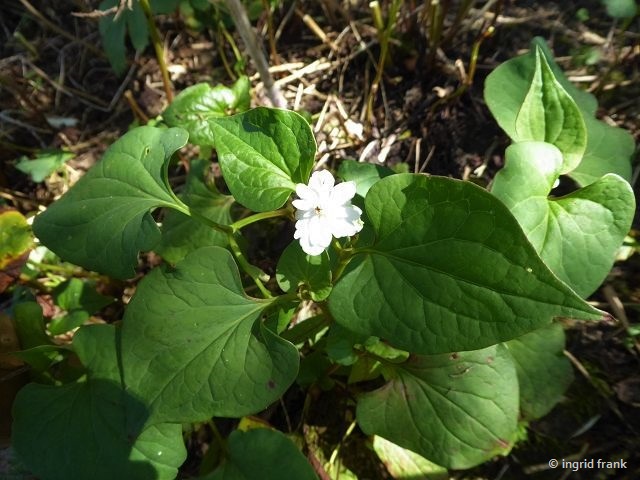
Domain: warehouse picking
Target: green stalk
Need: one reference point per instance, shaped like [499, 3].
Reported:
[243, 222]
[385, 37]
[246, 266]
[226, 229]
[377, 18]
[230, 231]
[235, 248]
[159, 49]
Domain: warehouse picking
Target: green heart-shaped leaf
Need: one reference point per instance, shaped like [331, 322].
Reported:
[549, 114]
[576, 235]
[264, 153]
[182, 234]
[450, 270]
[457, 410]
[544, 373]
[195, 106]
[297, 268]
[265, 454]
[91, 418]
[44, 164]
[194, 347]
[608, 149]
[404, 464]
[104, 220]
[76, 294]
[363, 174]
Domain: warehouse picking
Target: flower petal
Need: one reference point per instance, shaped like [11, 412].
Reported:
[324, 211]
[306, 193]
[314, 235]
[302, 204]
[321, 181]
[343, 192]
[346, 222]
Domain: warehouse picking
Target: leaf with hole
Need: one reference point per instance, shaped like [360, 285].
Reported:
[104, 220]
[576, 235]
[182, 234]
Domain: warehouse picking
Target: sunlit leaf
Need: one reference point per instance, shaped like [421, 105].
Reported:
[608, 149]
[265, 454]
[264, 153]
[195, 107]
[404, 464]
[549, 114]
[194, 346]
[457, 410]
[576, 235]
[16, 240]
[450, 270]
[44, 164]
[544, 373]
[104, 220]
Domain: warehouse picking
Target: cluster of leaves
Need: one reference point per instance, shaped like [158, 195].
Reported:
[446, 298]
[122, 20]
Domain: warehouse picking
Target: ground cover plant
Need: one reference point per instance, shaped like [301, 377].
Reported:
[434, 305]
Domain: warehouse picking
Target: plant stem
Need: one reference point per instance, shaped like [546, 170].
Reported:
[384, 37]
[230, 230]
[246, 266]
[135, 108]
[159, 48]
[239, 15]
[270, 32]
[226, 229]
[468, 81]
[334, 454]
[243, 222]
[345, 257]
[64, 270]
[377, 18]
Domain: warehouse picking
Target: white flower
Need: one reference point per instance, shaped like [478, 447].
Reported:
[324, 211]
